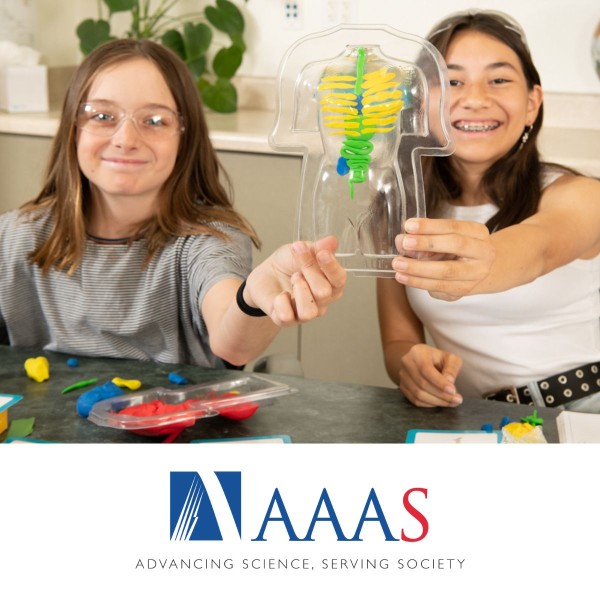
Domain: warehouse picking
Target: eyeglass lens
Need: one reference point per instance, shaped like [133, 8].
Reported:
[151, 122]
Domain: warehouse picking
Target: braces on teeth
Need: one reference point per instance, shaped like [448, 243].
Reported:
[476, 127]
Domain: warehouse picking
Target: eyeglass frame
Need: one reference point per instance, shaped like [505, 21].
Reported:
[505, 19]
[125, 116]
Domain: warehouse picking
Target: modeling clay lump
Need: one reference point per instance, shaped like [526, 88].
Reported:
[235, 412]
[86, 401]
[177, 379]
[37, 368]
[159, 408]
[130, 384]
[156, 407]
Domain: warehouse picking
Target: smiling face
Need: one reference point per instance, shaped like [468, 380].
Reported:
[490, 101]
[126, 165]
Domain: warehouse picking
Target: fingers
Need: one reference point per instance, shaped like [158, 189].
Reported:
[448, 258]
[450, 370]
[428, 375]
[445, 226]
[313, 289]
[424, 393]
[466, 241]
[327, 243]
[301, 300]
[298, 305]
[322, 273]
[441, 236]
[454, 277]
[283, 313]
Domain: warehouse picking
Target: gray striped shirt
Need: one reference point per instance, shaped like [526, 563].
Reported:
[112, 306]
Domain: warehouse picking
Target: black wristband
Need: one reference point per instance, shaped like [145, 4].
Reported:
[244, 306]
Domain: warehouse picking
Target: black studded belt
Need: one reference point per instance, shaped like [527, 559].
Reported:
[557, 389]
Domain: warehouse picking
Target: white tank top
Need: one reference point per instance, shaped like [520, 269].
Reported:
[524, 334]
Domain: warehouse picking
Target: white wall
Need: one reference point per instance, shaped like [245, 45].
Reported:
[559, 31]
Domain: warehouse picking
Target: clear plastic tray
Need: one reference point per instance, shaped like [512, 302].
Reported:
[237, 399]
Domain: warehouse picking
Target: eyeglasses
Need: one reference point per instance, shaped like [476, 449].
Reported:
[151, 122]
[501, 17]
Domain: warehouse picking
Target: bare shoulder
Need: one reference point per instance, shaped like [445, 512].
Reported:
[569, 182]
[572, 188]
[570, 209]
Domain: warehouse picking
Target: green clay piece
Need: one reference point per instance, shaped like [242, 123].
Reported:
[533, 419]
[79, 384]
[360, 70]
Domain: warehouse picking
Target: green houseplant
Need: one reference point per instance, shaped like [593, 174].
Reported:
[189, 35]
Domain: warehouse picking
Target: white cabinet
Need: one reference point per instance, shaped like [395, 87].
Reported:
[22, 163]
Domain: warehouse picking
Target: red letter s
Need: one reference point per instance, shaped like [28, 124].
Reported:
[416, 514]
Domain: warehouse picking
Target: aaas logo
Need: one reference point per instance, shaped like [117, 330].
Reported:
[209, 507]
[193, 515]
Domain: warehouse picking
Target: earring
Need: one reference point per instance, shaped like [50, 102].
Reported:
[525, 135]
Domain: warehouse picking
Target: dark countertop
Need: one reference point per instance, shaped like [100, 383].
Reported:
[319, 412]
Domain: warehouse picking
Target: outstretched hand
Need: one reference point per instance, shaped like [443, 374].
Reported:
[446, 257]
[298, 282]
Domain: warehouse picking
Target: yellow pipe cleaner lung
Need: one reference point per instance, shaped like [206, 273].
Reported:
[358, 107]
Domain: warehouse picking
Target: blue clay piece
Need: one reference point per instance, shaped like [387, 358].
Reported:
[177, 379]
[86, 401]
[72, 362]
[342, 167]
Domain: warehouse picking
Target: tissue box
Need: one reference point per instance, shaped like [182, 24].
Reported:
[24, 88]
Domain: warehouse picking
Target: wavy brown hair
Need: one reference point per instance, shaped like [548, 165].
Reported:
[513, 182]
[192, 199]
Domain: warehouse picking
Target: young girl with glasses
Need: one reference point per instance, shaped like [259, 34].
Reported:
[505, 278]
[133, 249]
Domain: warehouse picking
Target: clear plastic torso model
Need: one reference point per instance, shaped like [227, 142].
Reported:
[362, 119]
[360, 99]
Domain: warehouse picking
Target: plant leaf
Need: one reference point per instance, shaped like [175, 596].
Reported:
[227, 61]
[173, 40]
[202, 84]
[234, 16]
[93, 33]
[115, 6]
[197, 38]
[198, 66]
[220, 96]
[238, 40]
[226, 17]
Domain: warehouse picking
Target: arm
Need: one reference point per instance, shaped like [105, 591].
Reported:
[462, 258]
[294, 285]
[425, 374]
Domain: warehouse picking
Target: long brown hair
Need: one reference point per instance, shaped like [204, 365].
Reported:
[193, 197]
[513, 182]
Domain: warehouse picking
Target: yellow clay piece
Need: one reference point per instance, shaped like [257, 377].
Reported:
[518, 429]
[37, 368]
[130, 384]
[3, 421]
